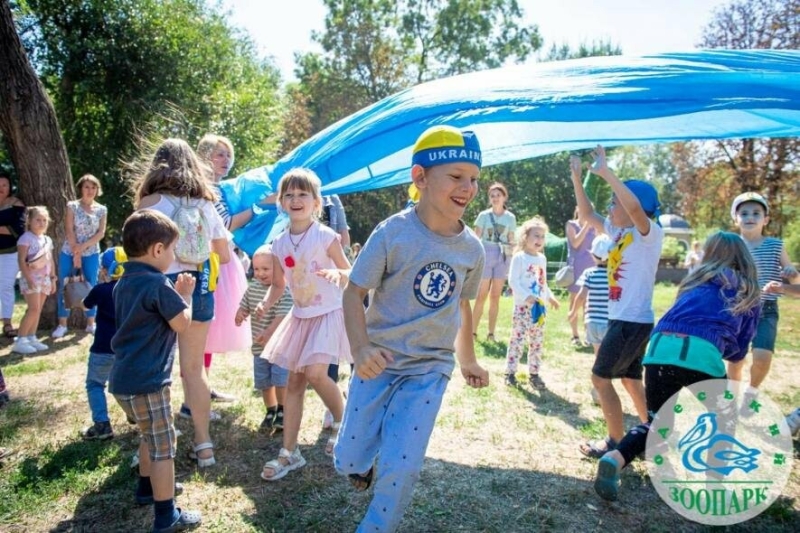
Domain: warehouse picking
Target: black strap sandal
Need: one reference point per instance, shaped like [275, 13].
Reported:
[361, 482]
[596, 449]
[9, 331]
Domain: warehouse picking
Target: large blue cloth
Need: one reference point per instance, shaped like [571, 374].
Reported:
[524, 111]
[246, 192]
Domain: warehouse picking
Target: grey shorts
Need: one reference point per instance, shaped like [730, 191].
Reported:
[595, 331]
[496, 264]
[767, 328]
[266, 374]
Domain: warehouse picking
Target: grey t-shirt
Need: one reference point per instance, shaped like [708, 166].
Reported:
[419, 278]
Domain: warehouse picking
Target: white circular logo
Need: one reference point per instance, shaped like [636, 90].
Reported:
[718, 456]
[434, 284]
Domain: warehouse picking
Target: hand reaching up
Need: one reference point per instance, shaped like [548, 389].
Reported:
[599, 164]
[575, 165]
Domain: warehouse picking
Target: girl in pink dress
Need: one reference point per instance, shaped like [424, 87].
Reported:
[308, 257]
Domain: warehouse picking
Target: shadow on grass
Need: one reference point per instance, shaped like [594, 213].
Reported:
[23, 412]
[96, 471]
[493, 349]
[547, 403]
[449, 496]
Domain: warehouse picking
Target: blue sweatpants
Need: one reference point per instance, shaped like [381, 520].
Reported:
[390, 418]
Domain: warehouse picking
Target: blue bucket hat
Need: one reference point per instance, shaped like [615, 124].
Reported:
[647, 196]
[441, 145]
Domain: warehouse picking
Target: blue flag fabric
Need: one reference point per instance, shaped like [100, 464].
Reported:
[524, 111]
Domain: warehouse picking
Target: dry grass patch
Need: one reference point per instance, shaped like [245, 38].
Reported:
[500, 459]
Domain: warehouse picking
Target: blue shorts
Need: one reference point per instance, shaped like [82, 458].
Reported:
[202, 299]
[266, 374]
[767, 328]
[496, 265]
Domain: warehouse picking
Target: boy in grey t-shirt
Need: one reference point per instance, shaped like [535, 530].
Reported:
[424, 265]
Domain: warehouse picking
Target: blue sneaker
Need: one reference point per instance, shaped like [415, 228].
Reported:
[606, 483]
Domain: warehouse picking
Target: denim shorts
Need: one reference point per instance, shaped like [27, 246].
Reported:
[266, 374]
[622, 350]
[496, 264]
[202, 299]
[153, 414]
[767, 328]
[595, 331]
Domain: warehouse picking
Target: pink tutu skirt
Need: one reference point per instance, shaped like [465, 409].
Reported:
[223, 335]
[301, 342]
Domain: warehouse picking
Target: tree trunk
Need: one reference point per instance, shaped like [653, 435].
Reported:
[30, 128]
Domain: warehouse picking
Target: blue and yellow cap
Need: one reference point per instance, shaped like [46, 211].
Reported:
[112, 260]
[441, 145]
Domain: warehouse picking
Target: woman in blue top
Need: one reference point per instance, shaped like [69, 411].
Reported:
[712, 321]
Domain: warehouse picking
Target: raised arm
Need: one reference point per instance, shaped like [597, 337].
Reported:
[625, 197]
[585, 209]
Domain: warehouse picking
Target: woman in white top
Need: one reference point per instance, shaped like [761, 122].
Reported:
[176, 177]
[86, 226]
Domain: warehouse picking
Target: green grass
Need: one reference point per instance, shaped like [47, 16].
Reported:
[500, 459]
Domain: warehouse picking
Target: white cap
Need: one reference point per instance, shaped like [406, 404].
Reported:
[601, 245]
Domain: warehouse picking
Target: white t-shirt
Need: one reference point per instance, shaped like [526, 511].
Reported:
[215, 223]
[632, 265]
[527, 276]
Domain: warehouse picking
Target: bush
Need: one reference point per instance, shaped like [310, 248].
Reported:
[791, 240]
[672, 252]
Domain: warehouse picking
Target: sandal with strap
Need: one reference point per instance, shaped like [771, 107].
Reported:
[293, 461]
[596, 449]
[203, 463]
[9, 331]
[332, 439]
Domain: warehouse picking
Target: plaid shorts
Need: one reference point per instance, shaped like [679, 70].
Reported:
[153, 414]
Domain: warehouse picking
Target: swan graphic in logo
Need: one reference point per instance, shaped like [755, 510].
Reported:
[716, 457]
[706, 449]
[434, 284]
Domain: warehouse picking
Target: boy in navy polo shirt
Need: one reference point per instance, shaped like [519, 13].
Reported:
[150, 312]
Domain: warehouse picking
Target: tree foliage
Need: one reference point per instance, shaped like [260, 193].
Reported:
[723, 169]
[120, 70]
[375, 48]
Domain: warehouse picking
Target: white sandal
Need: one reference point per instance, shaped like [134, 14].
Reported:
[203, 463]
[332, 439]
[293, 461]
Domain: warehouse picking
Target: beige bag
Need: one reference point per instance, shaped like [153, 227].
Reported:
[565, 276]
[76, 288]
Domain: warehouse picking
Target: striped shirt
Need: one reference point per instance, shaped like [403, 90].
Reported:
[768, 263]
[595, 279]
[256, 292]
[221, 208]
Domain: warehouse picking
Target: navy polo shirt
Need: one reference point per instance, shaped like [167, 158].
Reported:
[144, 344]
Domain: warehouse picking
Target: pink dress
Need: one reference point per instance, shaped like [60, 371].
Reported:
[313, 333]
[223, 335]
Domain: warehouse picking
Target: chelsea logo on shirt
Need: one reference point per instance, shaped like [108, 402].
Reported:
[434, 284]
